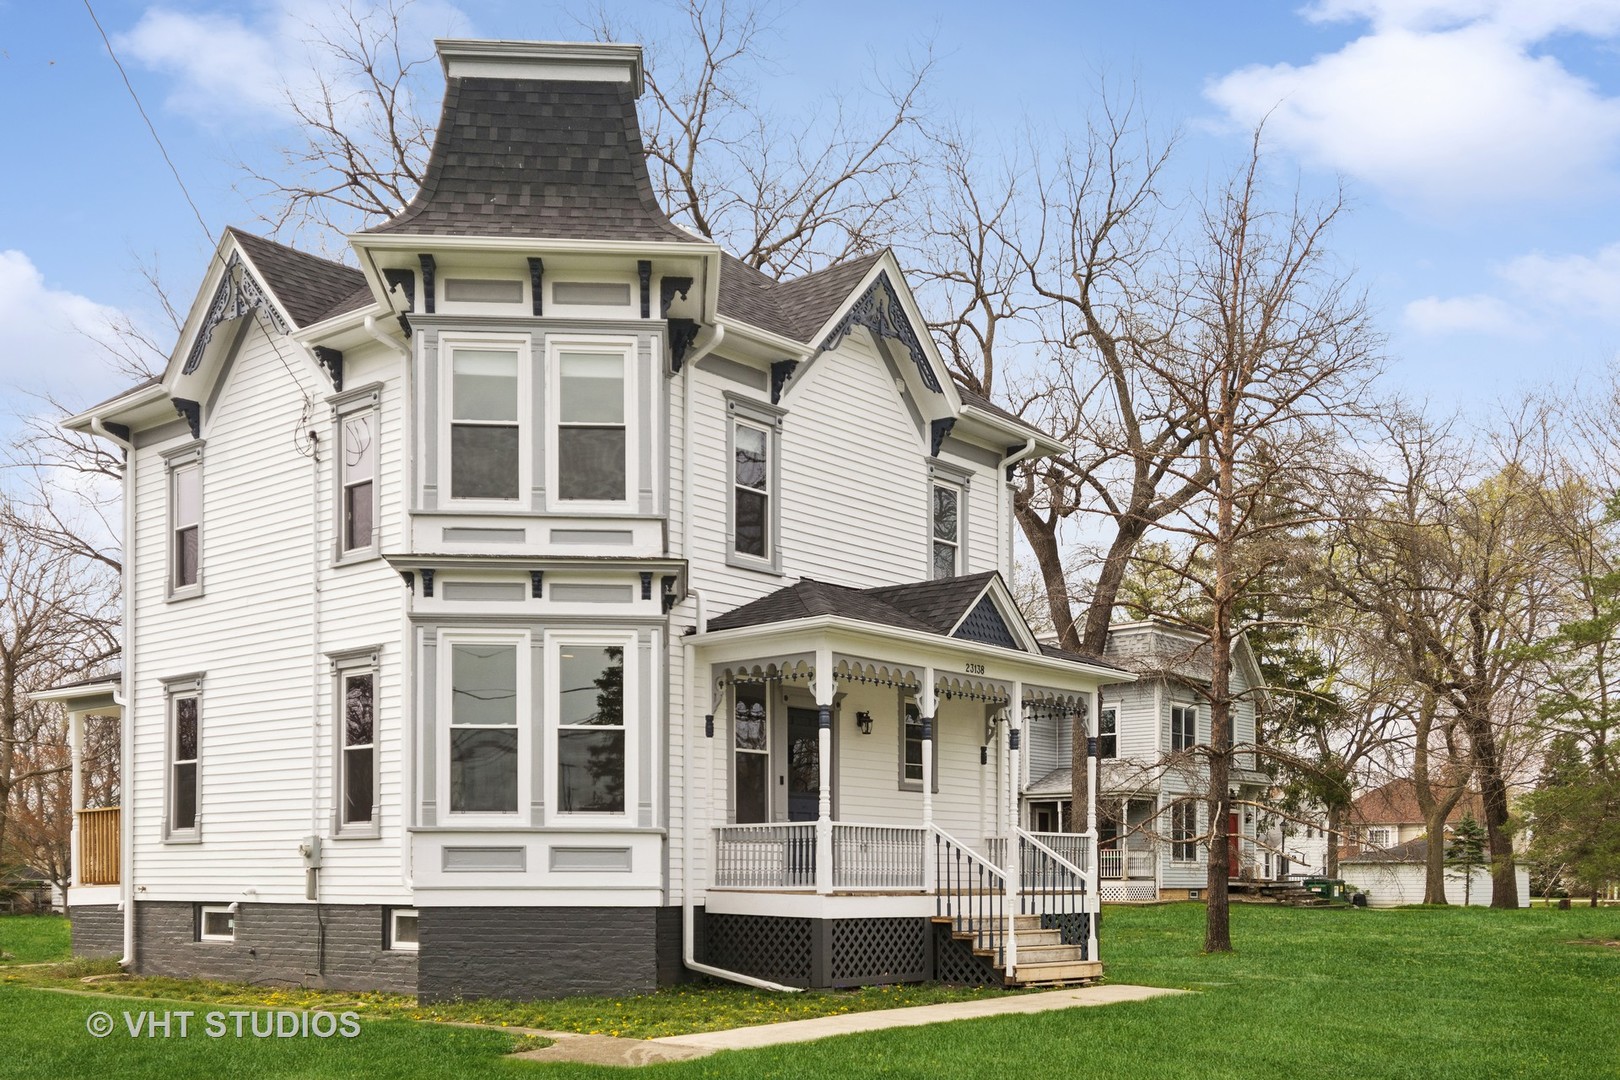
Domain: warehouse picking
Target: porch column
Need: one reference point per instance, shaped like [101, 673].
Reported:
[1094, 899]
[825, 692]
[1013, 864]
[76, 762]
[927, 703]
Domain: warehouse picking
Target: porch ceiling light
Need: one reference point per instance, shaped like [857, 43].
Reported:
[863, 720]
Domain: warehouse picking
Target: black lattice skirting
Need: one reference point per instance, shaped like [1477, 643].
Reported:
[821, 952]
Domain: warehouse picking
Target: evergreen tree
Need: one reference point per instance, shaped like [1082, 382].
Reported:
[1465, 853]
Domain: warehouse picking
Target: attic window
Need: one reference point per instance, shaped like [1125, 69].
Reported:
[483, 291]
[591, 293]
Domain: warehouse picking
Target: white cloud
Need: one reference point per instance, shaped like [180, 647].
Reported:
[228, 67]
[1444, 101]
[1584, 286]
[48, 338]
[1477, 314]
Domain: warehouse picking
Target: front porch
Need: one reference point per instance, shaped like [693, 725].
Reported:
[866, 779]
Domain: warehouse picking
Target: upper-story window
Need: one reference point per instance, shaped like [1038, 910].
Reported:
[751, 490]
[185, 522]
[753, 514]
[356, 483]
[486, 433]
[946, 520]
[1183, 727]
[591, 443]
[1108, 733]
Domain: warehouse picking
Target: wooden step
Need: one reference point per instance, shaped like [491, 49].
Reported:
[1063, 971]
[1050, 954]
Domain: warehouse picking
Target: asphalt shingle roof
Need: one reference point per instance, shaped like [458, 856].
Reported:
[308, 286]
[556, 159]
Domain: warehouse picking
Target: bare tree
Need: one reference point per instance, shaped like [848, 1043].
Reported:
[1275, 350]
[360, 143]
[1448, 550]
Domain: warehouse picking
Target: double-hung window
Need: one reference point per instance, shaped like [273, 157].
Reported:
[486, 679]
[911, 749]
[486, 432]
[1183, 727]
[751, 734]
[590, 402]
[1107, 733]
[356, 744]
[1184, 832]
[946, 517]
[753, 516]
[357, 475]
[185, 522]
[589, 696]
[183, 814]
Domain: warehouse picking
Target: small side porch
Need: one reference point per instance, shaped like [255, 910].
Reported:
[864, 807]
[95, 719]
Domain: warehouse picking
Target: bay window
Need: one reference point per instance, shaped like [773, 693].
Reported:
[590, 436]
[486, 434]
[486, 679]
[589, 693]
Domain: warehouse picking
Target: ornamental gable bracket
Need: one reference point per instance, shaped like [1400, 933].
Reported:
[880, 311]
[239, 293]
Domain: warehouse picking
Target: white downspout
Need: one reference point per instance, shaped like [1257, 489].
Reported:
[126, 721]
[688, 832]
[1005, 499]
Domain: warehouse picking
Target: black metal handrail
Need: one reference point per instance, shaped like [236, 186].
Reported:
[972, 893]
[1053, 888]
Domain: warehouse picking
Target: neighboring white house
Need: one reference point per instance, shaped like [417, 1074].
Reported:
[1394, 876]
[1291, 846]
[550, 603]
[1153, 822]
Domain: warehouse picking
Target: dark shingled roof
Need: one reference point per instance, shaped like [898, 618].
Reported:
[308, 286]
[931, 606]
[807, 302]
[979, 401]
[553, 159]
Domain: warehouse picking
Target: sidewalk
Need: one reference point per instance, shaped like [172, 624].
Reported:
[605, 1050]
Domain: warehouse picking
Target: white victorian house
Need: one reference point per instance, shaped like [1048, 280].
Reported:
[549, 603]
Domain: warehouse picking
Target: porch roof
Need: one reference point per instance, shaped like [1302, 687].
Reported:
[935, 607]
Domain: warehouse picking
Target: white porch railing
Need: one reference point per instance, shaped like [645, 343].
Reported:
[783, 856]
[1119, 865]
[878, 856]
[775, 856]
[1073, 848]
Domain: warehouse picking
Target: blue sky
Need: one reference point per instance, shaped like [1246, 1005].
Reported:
[1479, 141]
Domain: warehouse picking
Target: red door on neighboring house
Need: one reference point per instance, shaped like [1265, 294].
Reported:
[1233, 866]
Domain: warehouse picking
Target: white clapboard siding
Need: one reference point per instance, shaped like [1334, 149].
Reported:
[266, 698]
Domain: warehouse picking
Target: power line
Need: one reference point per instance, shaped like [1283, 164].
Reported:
[149, 126]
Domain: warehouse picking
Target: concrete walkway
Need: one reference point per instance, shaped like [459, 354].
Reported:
[605, 1050]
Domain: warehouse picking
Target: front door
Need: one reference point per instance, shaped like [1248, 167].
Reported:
[803, 764]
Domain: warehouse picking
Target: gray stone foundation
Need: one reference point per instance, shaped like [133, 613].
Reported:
[98, 930]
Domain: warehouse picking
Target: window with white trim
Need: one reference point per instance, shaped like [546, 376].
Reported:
[588, 700]
[357, 476]
[1184, 832]
[590, 403]
[946, 528]
[216, 922]
[751, 737]
[753, 471]
[1183, 727]
[185, 523]
[183, 797]
[486, 430]
[356, 773]
[1379, 837]
[911, 748]
[751, 490]
[1107, 733]
[402, 929]
[486, 680]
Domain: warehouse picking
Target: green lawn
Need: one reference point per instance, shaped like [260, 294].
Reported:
[1321, 993]
[32, 939]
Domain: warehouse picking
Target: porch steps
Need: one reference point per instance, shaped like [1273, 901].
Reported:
[1042, 958]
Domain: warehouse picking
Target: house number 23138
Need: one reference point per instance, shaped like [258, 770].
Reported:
[975, 669]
